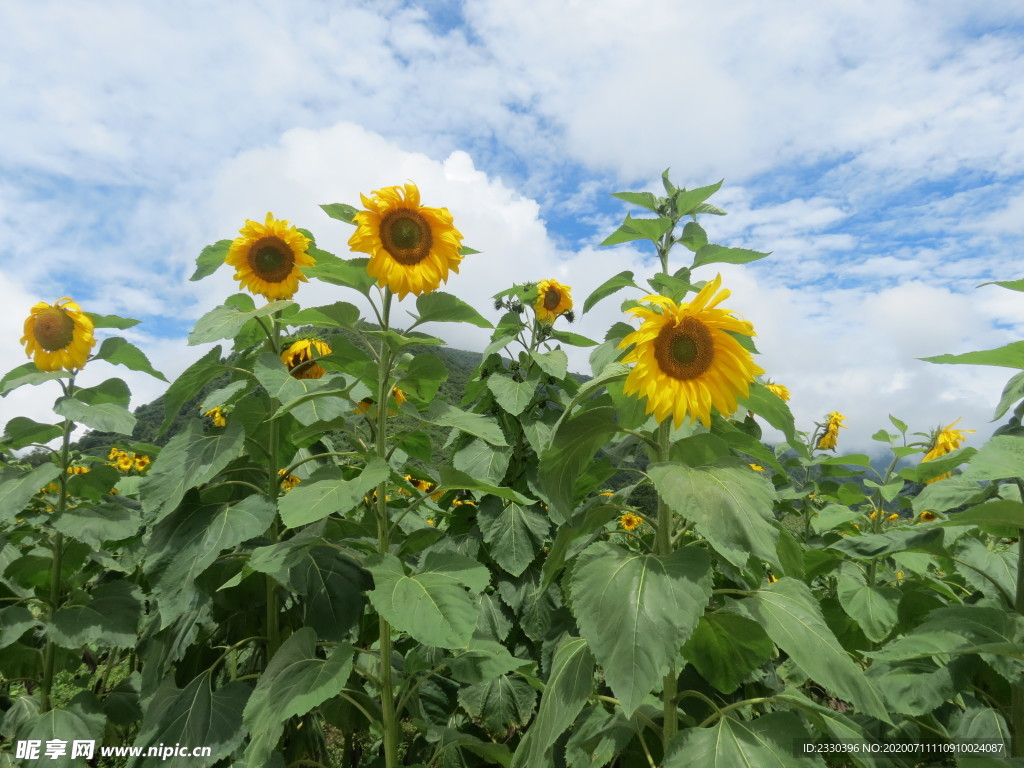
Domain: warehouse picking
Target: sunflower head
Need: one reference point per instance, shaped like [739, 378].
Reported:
[928, 516]
[58, 336]
[553, 299]
[945, 440]
[828, 440]
[267, 258]
[630, 522]
[216, 415]
[686, 359]
[412, 248]
[141, 462]
[300, 357]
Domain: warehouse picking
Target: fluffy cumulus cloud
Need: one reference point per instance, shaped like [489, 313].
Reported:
[877, 153]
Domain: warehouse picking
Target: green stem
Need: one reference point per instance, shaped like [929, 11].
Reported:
[1017, 696]
[273, 491]
[663, 548]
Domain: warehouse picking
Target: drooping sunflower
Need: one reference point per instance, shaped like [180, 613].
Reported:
[778, 390]
[828, 440]
[553, 299]
[58, 336]
[267, 258]
[945, 440]
[686, 361]
[300, 357]
[412, 247]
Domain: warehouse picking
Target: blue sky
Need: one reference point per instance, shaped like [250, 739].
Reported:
[877, 149]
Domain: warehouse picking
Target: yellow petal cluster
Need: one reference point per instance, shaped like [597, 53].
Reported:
[827, 441]
[300, 358]
[58, 336]
[553, 299]
[946, 440]
[267, 258]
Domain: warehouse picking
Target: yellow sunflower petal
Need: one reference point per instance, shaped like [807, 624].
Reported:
[268, 258]
[58, 336]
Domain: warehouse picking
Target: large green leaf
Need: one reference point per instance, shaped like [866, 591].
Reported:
[225, 321]
[17, 487]
[1012, 392]
[440, 307]
[295, 681]
[514, 532]
[483, 462]
[501, 703]
[309, 400]
[327, 492]
[445, 415]
[772, 409]
[436, 606]
[80, 720]
[719, 254]
[999, 516]
[186, 542]
[112, 520]
[189, 459]
[597, 738]
[608, 287]
[726, 647]
[872, 607]
[873, 545]
[21, 431]
[1010, 356]
[340, 314]
[194, 378]
[105, 417]
[350, 273]
[122, 352]
[636, 610]
[453, 479]
[15, 620]
[510, 394]
[1001, 457]
[568, 686]
[791, 617]
[765, 742]
[210, 259]
[573, 446]
[993, 572]
[332, 586]
[28, 374]
[110, 618]
[727, 503]
[916, 688]
[195, 715]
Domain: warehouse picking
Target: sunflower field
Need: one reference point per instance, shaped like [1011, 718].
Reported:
[333, 563]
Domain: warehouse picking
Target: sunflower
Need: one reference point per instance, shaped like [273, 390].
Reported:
[630, 522]
[686, 361]
[928, 516]
[58, 336]
[114, 451]
[777, 389]
[78, 470]
[412, 248]
[267, 258]
[827, 441]
[756, 467]
[945, 440]
[553, 299]
[287, 481]
[300, 356]
[365, 406]
[217, 415]
[125, 462]
[141, 462]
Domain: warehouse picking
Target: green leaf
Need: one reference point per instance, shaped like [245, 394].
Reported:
[350, 273]
[608, 287]
[694, 237]
[17, 487]
[445, 415]
[295, 681]
[636, 610]
[210, 258]
[105, 417]
[916, 688]
[728, 504]
[1002, 457]
[186, 542]
[726, 647]
[773, 410]
[1013, 285]
[873, 608]
[110, 391]
[766, 741]
[111, 321]
[327, 492]
[97, 524]
[340, 314]
[688, 202]
[514, 532]
[225, 321]
[573, 445]
[510, 394]
[192, 380]
[999, 516]
[927, 470]
[874, 545]
[332, 586]
[432, 606]
[120, 352]
[718, 254]
[554, 362]
[567, 689]
[453, 479]
[1012, 392]
[439, 307]
[643, 199]
[28, 374]
[80, 720]
[791, 617]
[111, 618]
[951, 492]
[991, 572]
[340, 211]
[482, 461]
[194, 715]
[21, 431]
[423, 375]
[597, 737]
[573, 339]
[189, 459]
[499, 704]
[639, 229]
[1009, 356]
[15, 621]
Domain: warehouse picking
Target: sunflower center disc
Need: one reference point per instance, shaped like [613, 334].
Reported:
[684, 351]
[551, 299]
[271, 259]
[406, 236]
[53, 329]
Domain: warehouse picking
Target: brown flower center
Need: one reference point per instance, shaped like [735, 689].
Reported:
[406, 235]
[53, 329]
[271, 259]
[551, 298]
[684, 351]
